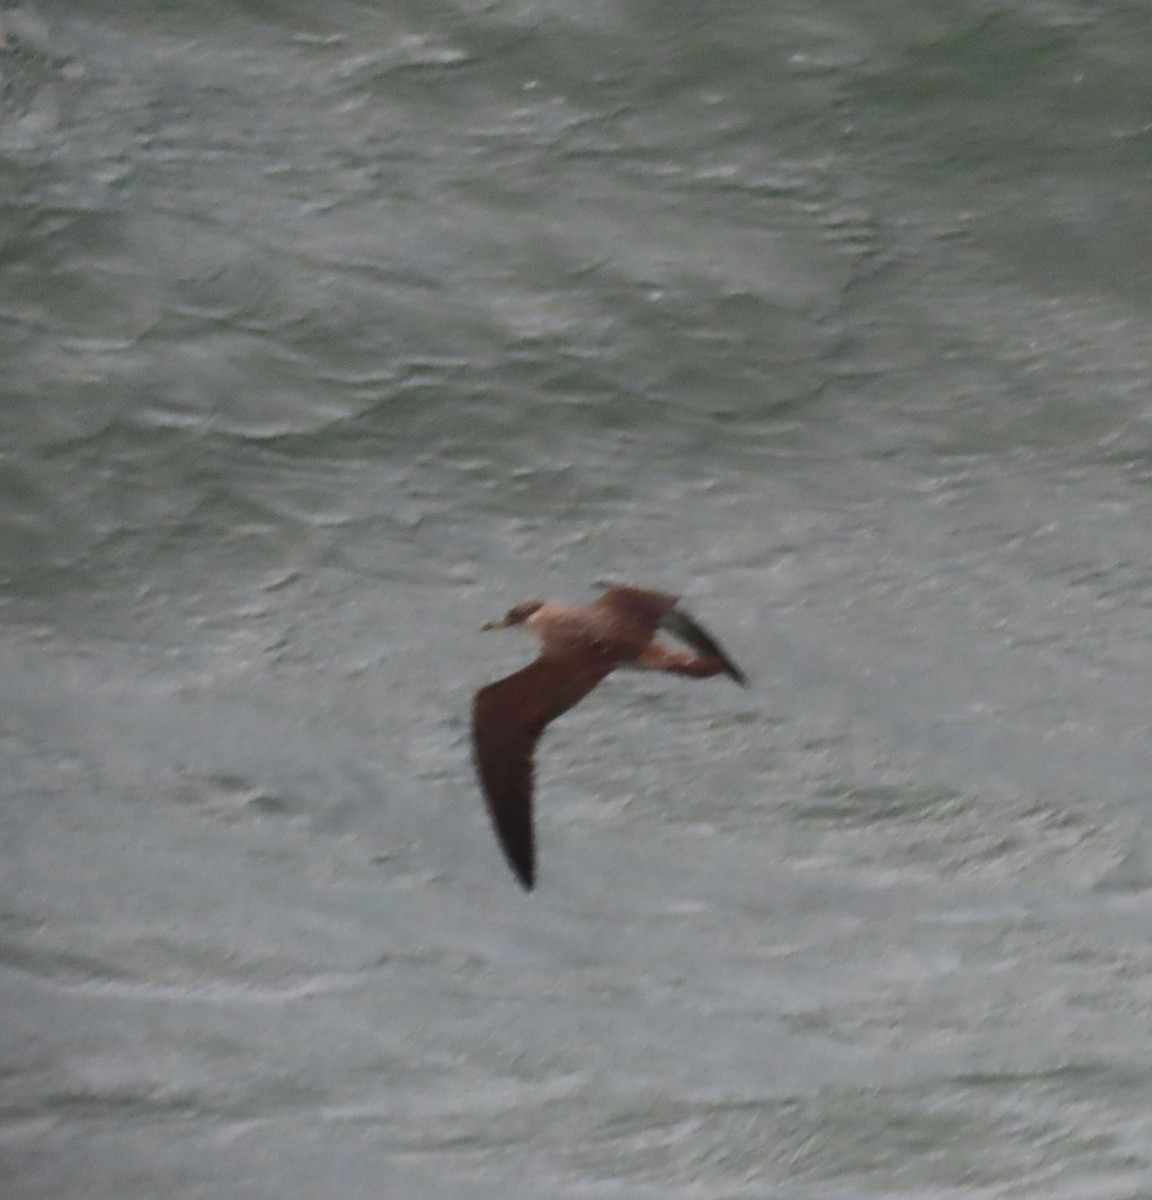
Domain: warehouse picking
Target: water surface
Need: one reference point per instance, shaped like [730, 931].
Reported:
[329, 331]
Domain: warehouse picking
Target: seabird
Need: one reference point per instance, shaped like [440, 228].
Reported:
[579, 646]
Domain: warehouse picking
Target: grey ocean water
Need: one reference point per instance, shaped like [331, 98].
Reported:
[328, 331]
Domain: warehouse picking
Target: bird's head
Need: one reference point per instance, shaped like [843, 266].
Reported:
[516, 615]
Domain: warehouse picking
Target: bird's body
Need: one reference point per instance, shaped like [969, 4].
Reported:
[579, 646]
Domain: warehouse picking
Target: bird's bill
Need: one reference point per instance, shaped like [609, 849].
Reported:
[502, 623]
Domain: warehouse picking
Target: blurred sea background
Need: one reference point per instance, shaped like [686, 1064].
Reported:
[329, 330]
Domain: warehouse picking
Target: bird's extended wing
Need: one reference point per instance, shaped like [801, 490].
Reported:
[679, 623]
[508, 717]
[640, 608]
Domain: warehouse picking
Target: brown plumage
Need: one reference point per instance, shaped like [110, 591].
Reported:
[578, 648]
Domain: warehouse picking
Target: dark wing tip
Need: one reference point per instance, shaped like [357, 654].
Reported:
[519, 848]
[511, 813]
[681, 625]
[523, 865]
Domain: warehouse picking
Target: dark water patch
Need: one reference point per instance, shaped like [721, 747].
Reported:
[884, 1139]
[102, 1104]
[233, 797]
[145, 1103]
[67, 966]
[1075, 1081]
[1130, 872]
[858, 804]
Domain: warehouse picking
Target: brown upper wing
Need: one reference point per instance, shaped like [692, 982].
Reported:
[642, 609]
[508, 718]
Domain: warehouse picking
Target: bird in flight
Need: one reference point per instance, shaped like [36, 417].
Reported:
[579, 646]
